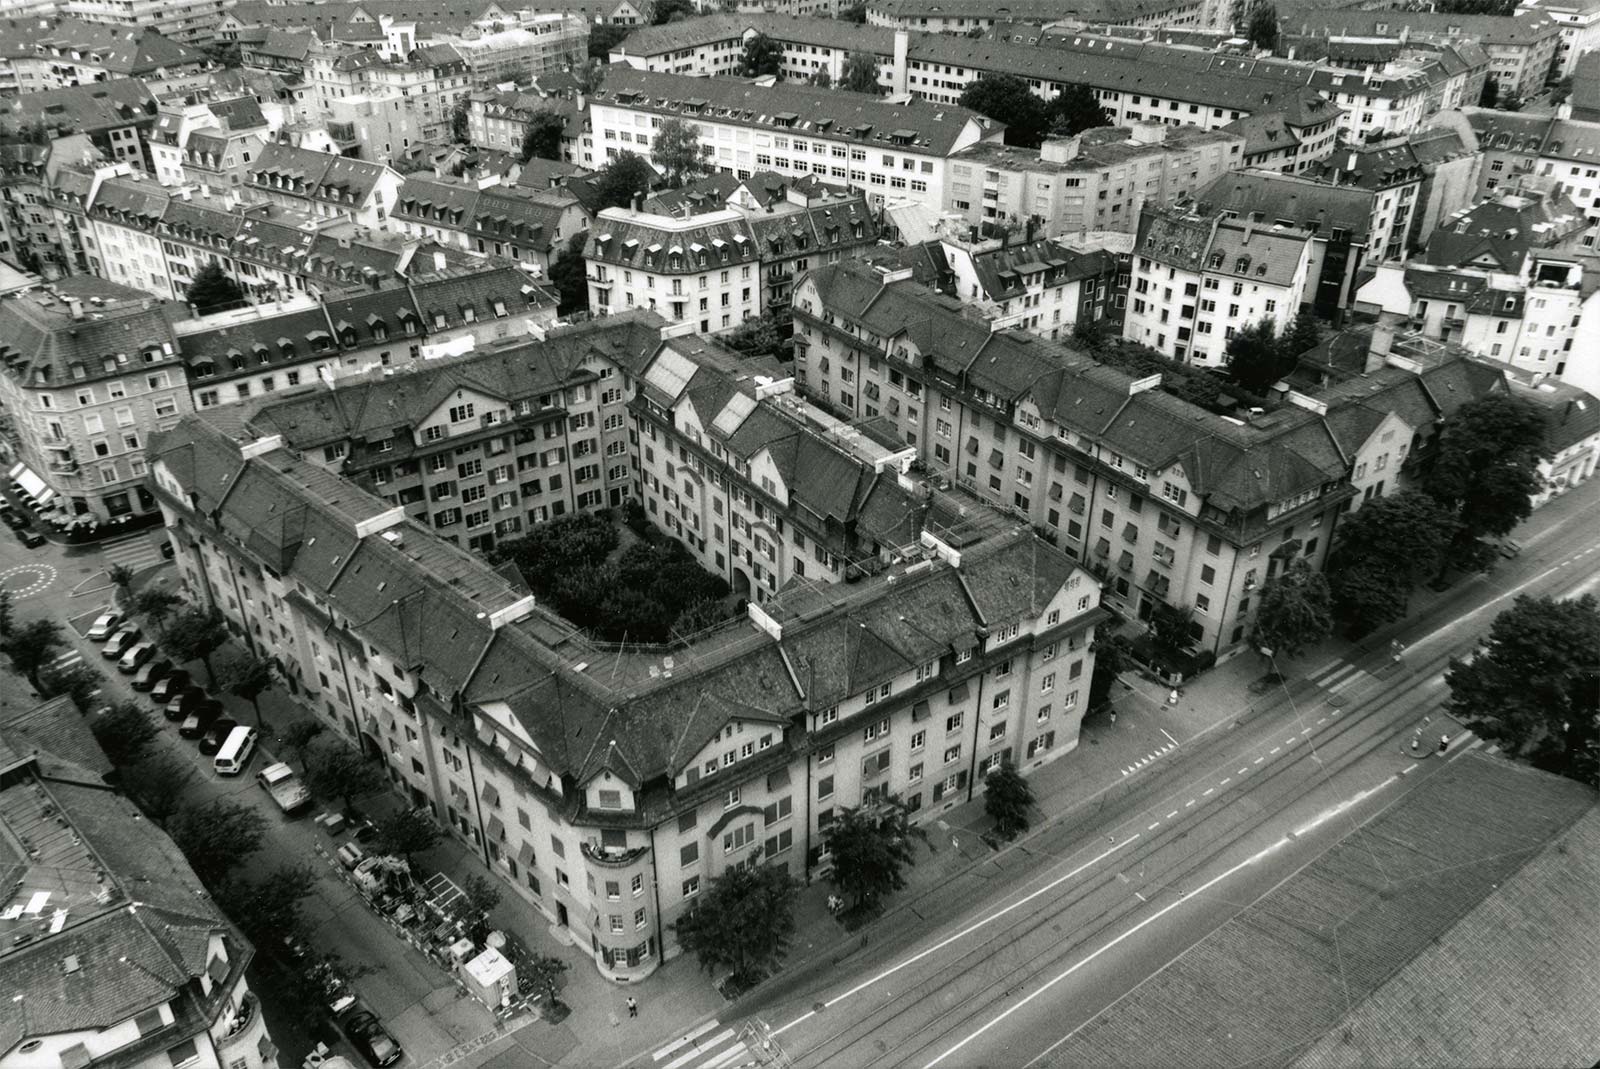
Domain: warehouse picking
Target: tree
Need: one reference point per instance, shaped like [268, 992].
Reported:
[1303, 335]
[195, 634]
[7, 614]
[619, 181]
[1255, 361]
[121, 577]
[125, 732]
[157, 784]
[299, 735]
[1007, 98]
[592, 76]
[742, 922]
[541, 138]
[460, 131]
[568, 276]
[407, 832]
[870, 851]
[336, 770]
[860, 74]
[1490, 94]
[1382, 552]
[213, 291]
[217, 837]
[1076, 109]
[1533, 685]
[268, 909]
[759, 336]
[544, 974]
[246, 676]
[762, 56]
[78, 682]
[855, 12]
[1296, 610]
[1112, 656]
[1262, 30]
[604, 37]
[821, 79]
[32, 646]
[481, 896]
[157, 605]
[1170, 629]
[1006, 798]
[672, 11]
[1484, 468]
[677, 153]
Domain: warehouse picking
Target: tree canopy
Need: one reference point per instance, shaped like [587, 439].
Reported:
[1255, 359]
[758, 336]
[569, 278]
[334, 769]
[854, 12]
[1076, 109]
[871, 850]
[213, 291]
[157, 783]
[407, 832]
[677, 152]
[125, 732]
[217, 837]
[1381, 553]
[1008, 99]
[33, 645]
[603, 37]
[1533, 685]
[1007, 796]
[1484, 468]
[1262, 29]
[156, 604]
[742, 922]
[1296, 610]
[195, 634]
[618, 182]
[541, 138]
[860, 73]
[246, 676]
[672, 11]
[762, 56]
[267, 909]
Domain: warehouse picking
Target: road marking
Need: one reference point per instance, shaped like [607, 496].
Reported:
[1207, 791]
[1227, 781]
[1261, 759]
[1169, 737]
[1154, 826]
[1189, 803]
[968, 930]
[726, 1056]
[715, 1041]
[1275, 749]
[1322, 720]
[667, 1051]
[1289, 741]
[1243, 771]
[1140, 897]
[1305, 731]
[1172, 814]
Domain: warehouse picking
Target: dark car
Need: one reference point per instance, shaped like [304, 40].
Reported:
[199, 719]
[183, 702]
[217, 734]
[12, 518]
[168, 685]
[29, 537]
[368, 1036]
[151, 674]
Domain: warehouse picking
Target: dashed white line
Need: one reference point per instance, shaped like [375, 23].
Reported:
[1172, 814]
[1322, 720]
[1227, 781]
[1243, 771]
[1189, 803]
[1169, 737]
[1154, 826]
[1258, 760]
[1275, 749]
[1305, 731]
[1207, 791]
[1140, 897]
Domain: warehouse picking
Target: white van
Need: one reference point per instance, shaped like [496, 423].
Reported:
[230, 760]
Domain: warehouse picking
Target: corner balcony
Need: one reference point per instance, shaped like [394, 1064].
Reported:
[613, 858]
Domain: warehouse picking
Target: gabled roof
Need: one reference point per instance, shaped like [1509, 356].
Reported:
[98, 106]
[1310, 205]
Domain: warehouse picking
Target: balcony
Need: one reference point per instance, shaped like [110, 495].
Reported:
[245, 1015]
[613, 858]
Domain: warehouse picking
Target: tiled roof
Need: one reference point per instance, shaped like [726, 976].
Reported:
[670, 244]
[124, 51]
[495, 213]
[1310, 205]
[116, 102]
[1522, 28]
[930, 129]
[60, 738]
[324, 176]
[41, 343]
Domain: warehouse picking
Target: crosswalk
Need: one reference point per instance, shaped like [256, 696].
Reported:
[709, 1046]
[136, 553]
[1340, 677]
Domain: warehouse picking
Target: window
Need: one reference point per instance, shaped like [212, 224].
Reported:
[730, 799]
[688, 853]
[738, 838]
[825, 787]
[952, 723]
[185, 1053]
[691, 887]
[953, 753]
[1048, 683]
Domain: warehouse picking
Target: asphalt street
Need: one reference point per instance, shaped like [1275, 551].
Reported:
[1049, 934]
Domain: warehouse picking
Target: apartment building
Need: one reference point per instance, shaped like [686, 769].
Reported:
[1200, 279]
[1016, 282]
[542, 42]
[36, 232]
[429, 81]
[116, 114]
[532, 433]
[498, 120]
[441, 310]
[967, 16]
[610, 800]
[1522, 47]
[89, 373]
[1092, 458]
[1097, 180]
[1563, 151]
[323, 185]
[1579, 21]
[207, 142]
[1504, 280]
[148, 971]
[1442, 168]
[49, 53]
[189, 21]
[528, 225]
[1572, 434]
[1341, 220]
[873, 145]
[700, 269]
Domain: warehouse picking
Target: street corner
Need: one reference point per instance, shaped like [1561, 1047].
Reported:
[1434, 735]
[24, 581]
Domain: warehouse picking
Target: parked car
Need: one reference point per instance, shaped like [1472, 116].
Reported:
[183, 703]
[217, 734]
[168, 685]
[152, 673]
[103, 625]
[29, 537]
[200, 719]
[351, 854]
[10, 517]
[368, 1036]
[120, 641]
[136, 656]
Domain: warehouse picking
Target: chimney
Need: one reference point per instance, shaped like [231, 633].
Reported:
[638, 201]
[1248, 228]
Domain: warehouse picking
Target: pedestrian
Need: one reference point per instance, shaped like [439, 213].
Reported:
[1113, 716]
[1172, 696]
[633, 1007]
[1444, 743]
[1414, 747]
[1398, 649]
